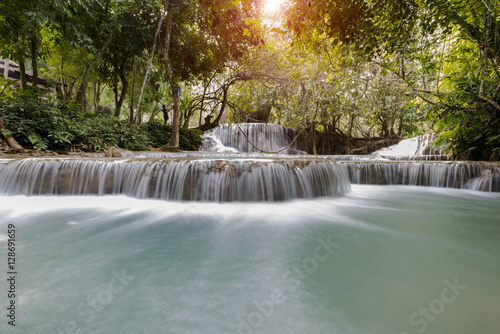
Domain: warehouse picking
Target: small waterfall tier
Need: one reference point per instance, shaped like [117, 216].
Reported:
[239, 138]
[464, 175]
[176, 179]
[417, 148]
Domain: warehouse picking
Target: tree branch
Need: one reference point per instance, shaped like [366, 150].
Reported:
[484, 98]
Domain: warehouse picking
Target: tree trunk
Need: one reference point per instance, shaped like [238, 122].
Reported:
[34, 63]
[10, 140]
[351, 126]
[188, 113]
[66, 89]
[315, 148]
[400, 126]
[205, 88]
[174, 87]
[176, 105]
[123, 93]
[63, 80]
[97, 95]
[132, 93]
[202, 103]
[392, 133]
[150, 63]
[384, 131]
[115, 85]
[22, 73]
[155, 113]
[81, 95]
[6, 67]
[211, 125]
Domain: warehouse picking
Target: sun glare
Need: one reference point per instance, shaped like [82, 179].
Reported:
[272, 5]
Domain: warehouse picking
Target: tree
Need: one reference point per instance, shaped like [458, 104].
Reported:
[202, 35]
[20, 27]
[465, 106]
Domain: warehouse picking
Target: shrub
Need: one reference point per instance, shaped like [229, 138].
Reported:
[103, 131]
[36, 122]
[189, 139]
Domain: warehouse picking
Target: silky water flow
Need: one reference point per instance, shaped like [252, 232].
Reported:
[221, 243]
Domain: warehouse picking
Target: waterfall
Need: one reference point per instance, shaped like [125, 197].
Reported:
[489, 180]
[231, 179]
[180, 179]
[464, 175]
[225, 177]
[417, 148]
[234, 138]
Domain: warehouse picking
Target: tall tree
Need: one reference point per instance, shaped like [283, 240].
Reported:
[202, 35]
[20, 25]
[466, 106]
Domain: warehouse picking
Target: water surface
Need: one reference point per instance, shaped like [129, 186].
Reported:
[380, 259]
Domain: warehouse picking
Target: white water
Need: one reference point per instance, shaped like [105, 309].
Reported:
[264, 137]
[228, 141]
[254, 243]
[182, 179]
[417, 148]
[222, 179]
[213, 144]
[432, 174]
[368, 262]
[489, 180]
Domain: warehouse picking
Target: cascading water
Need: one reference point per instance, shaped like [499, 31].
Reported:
[222, 179]
[489, 180]
[432, 174]
[204, 242]
[239, 138]
[417, 148]
[182, 179]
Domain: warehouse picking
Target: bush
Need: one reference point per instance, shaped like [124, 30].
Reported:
[470, 126]
[189, 139]
[34, 122]
[103, 131]
[37, 123]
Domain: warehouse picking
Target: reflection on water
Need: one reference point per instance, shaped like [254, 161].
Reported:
[380, 259]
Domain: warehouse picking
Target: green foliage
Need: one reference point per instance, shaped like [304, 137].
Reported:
[206, 34]
[445, 52]
[471, 129]
[35, 122]
[326, 89]
[5, 87]
[355, 67]
[344, 21]
[97, 132]
[189, 139]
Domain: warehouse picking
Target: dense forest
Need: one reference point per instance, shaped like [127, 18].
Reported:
[94, 74]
